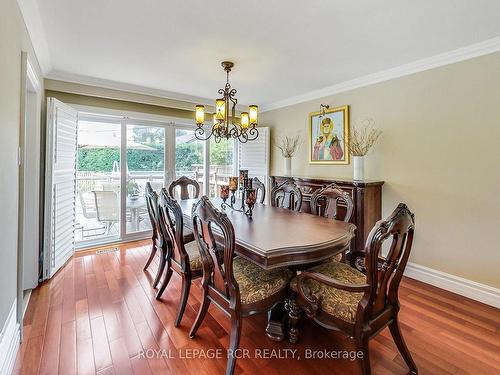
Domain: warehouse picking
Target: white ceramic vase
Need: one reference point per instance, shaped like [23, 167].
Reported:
[288, 166]
[359, 167]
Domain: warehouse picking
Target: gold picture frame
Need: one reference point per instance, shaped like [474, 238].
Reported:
[329, 136]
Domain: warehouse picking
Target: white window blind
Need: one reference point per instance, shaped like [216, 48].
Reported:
[254, 156]
[60, 185]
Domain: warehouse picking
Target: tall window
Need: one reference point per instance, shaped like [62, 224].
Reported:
[117, 156]
[221, 164]
[98, 181]
[189, 156]
[145, 163]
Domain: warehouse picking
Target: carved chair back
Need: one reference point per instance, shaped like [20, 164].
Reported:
[184, 183]
[217, 258]
[384, 273]
[287, 195]
[171, 226]
[261, 189]
[325, 202]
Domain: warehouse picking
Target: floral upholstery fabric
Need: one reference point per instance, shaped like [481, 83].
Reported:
[194, 255]
[336, 302]
[255, 283]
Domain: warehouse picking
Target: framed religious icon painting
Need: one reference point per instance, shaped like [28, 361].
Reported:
[329, 136]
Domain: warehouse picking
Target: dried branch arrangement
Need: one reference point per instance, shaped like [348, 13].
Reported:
[287, 145]
[363, 138]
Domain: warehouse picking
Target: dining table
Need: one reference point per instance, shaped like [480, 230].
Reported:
[274, 237]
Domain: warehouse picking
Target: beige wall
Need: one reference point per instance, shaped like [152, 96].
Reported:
[439, 153]
[13, 39]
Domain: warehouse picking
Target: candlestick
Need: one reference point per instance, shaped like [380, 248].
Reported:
[224, 191]
[243, 176]
[233, 183]
[251, 198]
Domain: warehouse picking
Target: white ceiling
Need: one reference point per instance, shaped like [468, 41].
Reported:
[281, 48]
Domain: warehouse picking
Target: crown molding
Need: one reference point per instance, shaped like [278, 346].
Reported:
[475, 50]
[33, 21]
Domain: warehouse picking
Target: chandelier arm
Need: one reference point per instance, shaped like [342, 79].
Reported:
[199, 131]
[252, 132]
[243, 137]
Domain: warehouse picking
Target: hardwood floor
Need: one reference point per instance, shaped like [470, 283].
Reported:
[99, 312]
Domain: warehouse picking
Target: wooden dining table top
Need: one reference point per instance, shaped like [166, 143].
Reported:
[275, 237]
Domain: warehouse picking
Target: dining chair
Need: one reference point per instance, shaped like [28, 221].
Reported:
[286, 195]
[261, 189]
[237, 286]
[333, 203]
[182, 254]
[157, 238]
[107, 208]
[184, 183]
[341, 298]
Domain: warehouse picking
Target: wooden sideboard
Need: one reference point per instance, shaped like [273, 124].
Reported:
[366, 196]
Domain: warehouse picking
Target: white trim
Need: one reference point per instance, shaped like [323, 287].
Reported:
[479, 49]
[466, 288]
[32, 75]
[9, 342]
[26, 300]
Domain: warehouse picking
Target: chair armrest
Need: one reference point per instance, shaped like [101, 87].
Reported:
[331, 282]
[313, 300]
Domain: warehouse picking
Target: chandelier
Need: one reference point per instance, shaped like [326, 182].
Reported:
[225, 124]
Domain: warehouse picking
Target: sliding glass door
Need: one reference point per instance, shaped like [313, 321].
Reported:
[189, 157]
[145, 154]
[98, 185]
[117, 156]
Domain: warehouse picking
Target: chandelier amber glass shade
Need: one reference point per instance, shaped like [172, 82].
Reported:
[244, 120]
[200, 114]
[253, 114]
[220, 109]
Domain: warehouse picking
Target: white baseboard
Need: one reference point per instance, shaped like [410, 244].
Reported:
[467, 288]
[9, 342]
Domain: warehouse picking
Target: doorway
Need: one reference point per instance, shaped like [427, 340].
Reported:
[29, 186]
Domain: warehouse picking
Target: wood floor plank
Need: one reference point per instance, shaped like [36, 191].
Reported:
[67, 359]
[99, 315]
[102, 355]
[51, 343]
[121, 361]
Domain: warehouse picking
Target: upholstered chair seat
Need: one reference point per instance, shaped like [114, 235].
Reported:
[339, 303]
[255, 283]
[194, 255]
